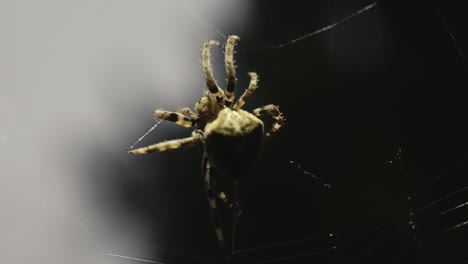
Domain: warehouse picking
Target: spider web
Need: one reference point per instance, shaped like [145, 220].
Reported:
[373, 96]
[373, 103]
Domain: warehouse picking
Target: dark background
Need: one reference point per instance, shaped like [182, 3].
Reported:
[390, 79]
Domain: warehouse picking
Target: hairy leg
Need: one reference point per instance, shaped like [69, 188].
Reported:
[208, 71]
[248, 92]
[196, 138]
[187, 111]
[230, 69]
[175, 117]
[210, 185]
[274, 111]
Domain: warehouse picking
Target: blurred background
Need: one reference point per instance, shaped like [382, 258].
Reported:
[375, 107]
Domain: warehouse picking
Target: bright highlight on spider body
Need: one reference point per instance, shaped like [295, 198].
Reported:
[232, 137]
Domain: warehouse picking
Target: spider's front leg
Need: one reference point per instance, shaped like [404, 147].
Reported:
[230, 69]
[196, 138]
[274, 111]
[187, 111]
[177, 117]
[208, 71]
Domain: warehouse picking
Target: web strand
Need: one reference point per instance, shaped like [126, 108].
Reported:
[304, 171]
[179, 253]
[327, 28]
[134, 258]
[144, 135]
[340, 234]
[452, 37]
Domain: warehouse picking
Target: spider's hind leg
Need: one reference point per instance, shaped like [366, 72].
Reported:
[210, 185]
[223, 198]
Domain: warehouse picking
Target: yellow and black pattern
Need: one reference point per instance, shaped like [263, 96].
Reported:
[210, 186]
[218, 117]
[196, 138]
[208, 70]
[177, 118]
[187, 111]
[274, 111]
[222, 196]
[248, 92]
[230, 70]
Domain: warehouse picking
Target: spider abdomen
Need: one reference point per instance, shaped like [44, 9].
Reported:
[233, 138]
[233, 141]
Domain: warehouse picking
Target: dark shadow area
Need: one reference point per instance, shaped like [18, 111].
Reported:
[375, 107]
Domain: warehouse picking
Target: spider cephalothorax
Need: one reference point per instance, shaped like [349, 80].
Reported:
[232, 137]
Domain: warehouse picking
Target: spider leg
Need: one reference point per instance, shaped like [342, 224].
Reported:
[248, 92]
[230, 69]
[210, 185]
[274, 111]
[196, 138]
[187, 111]
[208, 71]
[176, 117]
[222, 196]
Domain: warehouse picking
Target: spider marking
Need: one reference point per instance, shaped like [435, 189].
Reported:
[232, 137]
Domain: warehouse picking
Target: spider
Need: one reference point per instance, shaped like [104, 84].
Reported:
[232, 137]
